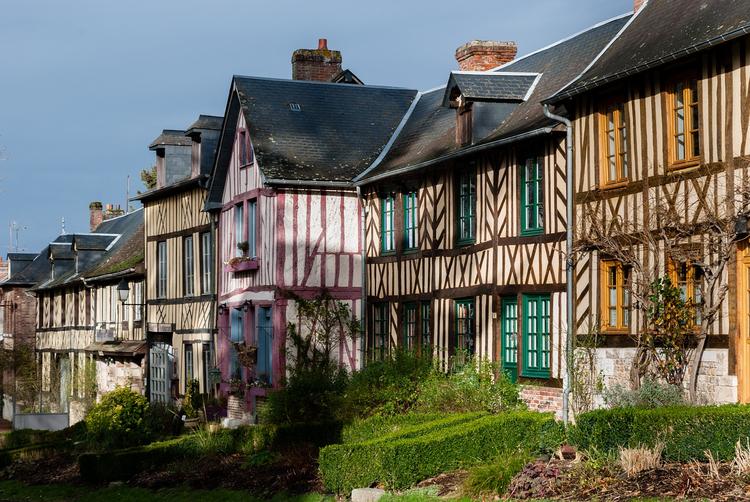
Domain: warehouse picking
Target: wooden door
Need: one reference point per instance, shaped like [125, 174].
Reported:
[743, 323]
[159, 374]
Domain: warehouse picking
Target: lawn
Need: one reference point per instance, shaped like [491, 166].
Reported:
[17, 492]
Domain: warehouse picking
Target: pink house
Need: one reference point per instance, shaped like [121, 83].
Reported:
[289, 219]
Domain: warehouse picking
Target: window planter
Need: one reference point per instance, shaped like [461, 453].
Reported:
[241, 264]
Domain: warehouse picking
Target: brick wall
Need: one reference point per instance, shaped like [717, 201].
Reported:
[483, 55]
[321, 64]
[545, 399]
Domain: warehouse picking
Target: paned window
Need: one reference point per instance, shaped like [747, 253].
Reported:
[532, 208]
[465, 332]
[685, 145]
[536, 337]
[410, 221]
[387, 207]
[466, 207]
[615, 296]
[614, 144]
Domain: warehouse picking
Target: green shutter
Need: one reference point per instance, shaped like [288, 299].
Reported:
[509, 335]
[536, 336]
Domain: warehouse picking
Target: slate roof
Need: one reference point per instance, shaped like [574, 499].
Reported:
[37, 270]
[206, 122]
[428, 136]
[338, 130]
[663, 31]
[490, 86]
[171, 137]
[124, 250]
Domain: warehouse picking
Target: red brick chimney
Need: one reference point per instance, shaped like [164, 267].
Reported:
[319, 64]
[637, 4]
[483, 55]
[96, 216]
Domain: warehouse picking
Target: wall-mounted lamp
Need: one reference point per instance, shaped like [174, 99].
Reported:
[246, 305]
[223, 308]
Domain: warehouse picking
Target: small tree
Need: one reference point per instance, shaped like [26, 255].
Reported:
[148, 177]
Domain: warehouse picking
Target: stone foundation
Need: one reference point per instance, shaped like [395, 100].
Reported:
[544, 399]
[111, 374]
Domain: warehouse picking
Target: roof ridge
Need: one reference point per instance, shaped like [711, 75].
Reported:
[318, 82]
[566, 39]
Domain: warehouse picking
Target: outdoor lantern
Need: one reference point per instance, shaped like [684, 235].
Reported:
[123, 290]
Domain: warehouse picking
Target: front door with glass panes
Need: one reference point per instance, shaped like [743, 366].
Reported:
[509, 349]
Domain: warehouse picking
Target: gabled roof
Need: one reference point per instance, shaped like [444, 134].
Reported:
[490, 86]
[662, 31]
[428, 136]
[170, 137]
[346, 77]
[310, 132]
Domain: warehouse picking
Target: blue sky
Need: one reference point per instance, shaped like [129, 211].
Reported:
[86, 85]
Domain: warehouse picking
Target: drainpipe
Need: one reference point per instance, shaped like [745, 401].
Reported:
[569, 265]
[362, 307]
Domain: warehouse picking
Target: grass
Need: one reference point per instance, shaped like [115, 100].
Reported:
[12, 490]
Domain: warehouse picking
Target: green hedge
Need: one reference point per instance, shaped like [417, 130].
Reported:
[125, 463]
[401, 462]
[687, 432]
[373, 427]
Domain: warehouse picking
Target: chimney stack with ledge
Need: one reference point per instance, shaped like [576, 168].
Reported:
[483, 55]
[319, 64]
[96, 216]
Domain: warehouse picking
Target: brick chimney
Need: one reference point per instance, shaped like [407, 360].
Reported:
[637, 4]
[319, 64]
[96, 216]
[483, 55]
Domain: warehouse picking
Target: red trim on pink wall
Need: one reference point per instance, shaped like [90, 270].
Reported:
[280, 238]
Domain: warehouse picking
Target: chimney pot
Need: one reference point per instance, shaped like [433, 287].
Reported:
[322, 44]
[483, 55]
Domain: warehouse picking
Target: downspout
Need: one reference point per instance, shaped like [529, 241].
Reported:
[362, 307]
[569, 265]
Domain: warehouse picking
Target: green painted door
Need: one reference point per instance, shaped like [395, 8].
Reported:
[510, 337]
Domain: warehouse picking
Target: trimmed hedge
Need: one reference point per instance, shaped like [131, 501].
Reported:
[369, 428]
[125, 463]
[686, 431]
[401, 462]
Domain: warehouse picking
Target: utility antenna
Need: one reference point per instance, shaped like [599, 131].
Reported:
[63, 225]
[127, 196]
[15, 230]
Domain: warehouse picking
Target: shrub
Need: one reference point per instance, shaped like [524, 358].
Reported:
[401, 462]
[388, 387]
[119, 419]
[473, 387]
[310, 395]
[376, 426]
[192, 402]
[641, 458]
[495, 478]
[686, 431]
[651, 394]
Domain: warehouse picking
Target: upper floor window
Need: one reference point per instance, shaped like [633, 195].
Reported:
[252, 251]
[685, 146]
[410, 221]
[615, 296]
[387, 209]
[614, 144]
[246, 153]
[206, 262]
[532, 208]
[466, 207]
[161, 268]
[188, 266]
[239, 229]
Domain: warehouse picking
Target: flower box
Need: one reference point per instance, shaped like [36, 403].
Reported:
[241, 265]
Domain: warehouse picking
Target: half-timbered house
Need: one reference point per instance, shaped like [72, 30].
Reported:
[661, 130]
[81, 325]
[179, 243]
[465, 217]
[289, 218]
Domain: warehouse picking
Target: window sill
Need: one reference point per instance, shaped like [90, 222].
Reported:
[682, 166]
[388, 253]
[532, 232]
[614, 185]
[536, 374]
[242, 265]
[615, 331]
[465, 243]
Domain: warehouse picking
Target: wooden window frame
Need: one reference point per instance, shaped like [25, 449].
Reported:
[527, 229]
[466, 199]
[411, 223]
[162, 288]
[387, 215]
[245, 157]
[690, 284]
[240, 231]
[622, 296]
[188, 266]
[686, 79]
[380, 330]
[206, 245]
[425, 328]
[471, 348]
[410, 337]
[538, 370]
[189, 363]
[251, 229]
[617, 107]
[510, 366]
